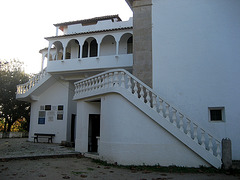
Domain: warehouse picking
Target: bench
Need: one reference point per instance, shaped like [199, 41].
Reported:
[43, 135]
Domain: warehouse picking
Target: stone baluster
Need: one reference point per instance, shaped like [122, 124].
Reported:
[135, 88]
[167, 112]
[174, 117]
[110, 80]
[79, 87]
[103, 81]
[210, 144]
[188, 127]
[122, 80]
[195, 138]
[141, 92]
[129, 84]
[99, 82]
[92, 84]
[115, 80]
[95, 83]
[218, 150]
[160, 106]
[106, 80]
[154, 102]
[83, 87]
[148, 99]
[203, 138]
[87, 86]
[181, 122]
[76, 88]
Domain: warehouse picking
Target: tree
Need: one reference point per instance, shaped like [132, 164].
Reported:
[12, 74]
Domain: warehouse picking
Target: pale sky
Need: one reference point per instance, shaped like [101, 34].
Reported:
[25, 23]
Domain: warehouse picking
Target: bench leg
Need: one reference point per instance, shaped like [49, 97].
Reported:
[36, 138]
[50, 139]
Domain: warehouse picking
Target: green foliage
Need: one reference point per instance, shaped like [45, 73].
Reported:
[12, 74]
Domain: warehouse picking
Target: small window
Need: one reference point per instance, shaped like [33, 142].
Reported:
[48, 107]
[60, 107]
[216, 114]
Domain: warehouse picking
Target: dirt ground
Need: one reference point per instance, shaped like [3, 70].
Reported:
[21, 159]
[83, 168]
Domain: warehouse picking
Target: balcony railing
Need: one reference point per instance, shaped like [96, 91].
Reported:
[101, 62]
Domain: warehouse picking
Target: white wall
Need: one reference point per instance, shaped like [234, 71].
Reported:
[128, 136]
[55, 95]
[101, 25]
[196, 52]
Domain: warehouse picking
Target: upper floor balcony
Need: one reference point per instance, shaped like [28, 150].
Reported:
[94, 47]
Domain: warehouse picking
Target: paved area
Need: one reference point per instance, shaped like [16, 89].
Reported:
[77, 167]
[20, 147]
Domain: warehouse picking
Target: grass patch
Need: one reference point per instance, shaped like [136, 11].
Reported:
[170, 169]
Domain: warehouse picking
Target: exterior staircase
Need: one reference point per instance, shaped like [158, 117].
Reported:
[36, 85]
[145, 99]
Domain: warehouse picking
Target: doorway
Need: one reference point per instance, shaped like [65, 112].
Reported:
[73, 128]
[93, 132]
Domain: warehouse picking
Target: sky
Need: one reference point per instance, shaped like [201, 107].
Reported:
[25, 23]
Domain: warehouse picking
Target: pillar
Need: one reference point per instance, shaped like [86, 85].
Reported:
[142, 40]
[227, 153]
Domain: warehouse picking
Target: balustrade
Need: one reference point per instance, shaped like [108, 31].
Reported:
[125, 80]
[23, 88]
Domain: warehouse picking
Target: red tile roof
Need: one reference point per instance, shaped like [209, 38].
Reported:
[92, 20]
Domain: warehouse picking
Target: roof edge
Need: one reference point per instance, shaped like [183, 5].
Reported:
[100, 18]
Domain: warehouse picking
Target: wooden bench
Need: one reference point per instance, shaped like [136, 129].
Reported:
[43, 135]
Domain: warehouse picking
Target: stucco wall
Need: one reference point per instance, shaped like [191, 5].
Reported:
[55, 95]
[196, 60]
[128, 136]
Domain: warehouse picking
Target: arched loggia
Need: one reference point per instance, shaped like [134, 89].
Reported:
[126, 44]
[72, 49]
[108, 46]
[59, 50]
[90, 48]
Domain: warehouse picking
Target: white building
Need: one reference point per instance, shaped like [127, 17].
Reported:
[93, 90]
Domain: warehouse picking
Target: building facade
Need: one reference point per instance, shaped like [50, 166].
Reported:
[161, 88]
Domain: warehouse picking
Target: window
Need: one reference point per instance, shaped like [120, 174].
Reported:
[48, 107]
[216, 114]
[60, 107]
